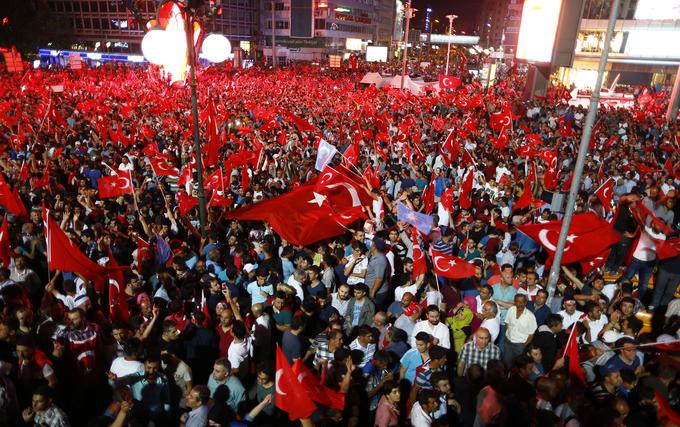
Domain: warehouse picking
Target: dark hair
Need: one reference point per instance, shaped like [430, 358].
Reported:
[425, 395]
[361, 287]
[131, 346]
[522, 361]
[432, 308]
[553, 320]
[43, 390]
[221, 394]
[389, 385]
[438, 376]
[504, 266]
[423, 336]
[298, 322]
[203, 392]
[363, 330]
[437, 352]
[223, 361]
[239, 329]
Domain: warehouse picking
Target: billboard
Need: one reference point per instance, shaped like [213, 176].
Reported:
[658, 9]
[301, 19]
[376, 53]
[538, 29]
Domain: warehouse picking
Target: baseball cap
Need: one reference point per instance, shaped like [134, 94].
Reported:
[249, 268]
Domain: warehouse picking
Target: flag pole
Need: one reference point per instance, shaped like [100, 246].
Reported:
[582, 153]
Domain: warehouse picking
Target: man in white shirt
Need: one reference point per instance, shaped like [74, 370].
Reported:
[434, 327]
[593, 323]
[127, 364]
[239, 349]
[570, 314]
[295, 281]
[532, 287]
[644, 258]
[340, 299]
[421, 412]
[492, 319]
[521, 325]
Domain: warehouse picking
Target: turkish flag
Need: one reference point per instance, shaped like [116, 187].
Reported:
[162, 168]
[448, 82]
[428, 198]
[419, 263]
[118, 308]
[465, 198]
[143, 252]
[63, 255]
[302, 124]
[665, 410]
[451, 147]
[343, 189]
[43, 181]
[21, 212]
[605, 194]
[215, 181]
[447, 199]
[8, 199]
[291, 396]
[292, 214]
[185, 202]
[451, 266]
[588, 236]
[534, 140]
[501, 142]
[116, 185]
[351, 154]
[5, 249]
[526, 198]
[316, 391]
[186, 177]
[23, 172]
[218, 199]
[590, 264]
[667, 248]
[245, 178]
[572, 352]
[500, 121]
[212, 134]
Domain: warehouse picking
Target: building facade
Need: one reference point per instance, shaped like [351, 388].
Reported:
[337, 27]
[645, 47]
[109, 26]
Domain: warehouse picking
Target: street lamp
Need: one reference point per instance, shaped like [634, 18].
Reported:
[409, 14]
[162, 46]
[448, 49]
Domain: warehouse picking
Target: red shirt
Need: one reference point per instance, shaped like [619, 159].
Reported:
[225, 340]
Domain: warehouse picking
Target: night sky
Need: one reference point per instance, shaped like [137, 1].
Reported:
[466, 10]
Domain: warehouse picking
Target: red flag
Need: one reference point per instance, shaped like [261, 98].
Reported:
[212, 134]
[5, 249]
[245, 178]
[526, 198]
[218, 199]
[186, 177]
[342, 190]
[590, 264]
[302, 124]
[419, 263]
[8, 199]
[185, 202]
[290, 394]
[21, 213]
[605, 193]
[43, 181]
[451, 266]
[63, 255]
[588, 236]
[665, 410]
[351, 154]
[500, 121]
[214, 181]
[450, 148]
[465, 198]
[291, 214]
[447, 199]
[667, 248]
[428, 198]
[118, 308]
[572, 352]
[23, 172]
[448, 82]
[316, 391]
[115, 186]
[162, 168]
[501, 142]
[143, 252]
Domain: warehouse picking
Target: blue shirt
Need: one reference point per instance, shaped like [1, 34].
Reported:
[541, 314]
[356, 313]
[254, 291]
[288, 268]
[505, 295]
[237, 393]
[411, 360]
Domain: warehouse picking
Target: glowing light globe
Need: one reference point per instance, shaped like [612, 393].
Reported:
[155, 45]
[216, 48]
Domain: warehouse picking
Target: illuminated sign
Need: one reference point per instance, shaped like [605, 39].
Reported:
[537, 32]
[353, 44]
[658, 9]
[376, 53]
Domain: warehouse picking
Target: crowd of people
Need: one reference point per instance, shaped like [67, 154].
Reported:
[202, 314]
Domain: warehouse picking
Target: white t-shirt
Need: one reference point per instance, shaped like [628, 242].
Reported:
[399, 291]
[358, 268]
[122, 367]
[569, 319]
[420, 418]
[238, 352]
[595, 328]
[440, 331]
[493, 326]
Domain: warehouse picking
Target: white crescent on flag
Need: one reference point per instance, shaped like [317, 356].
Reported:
[543, 237]
[276, 382]
[356, 201]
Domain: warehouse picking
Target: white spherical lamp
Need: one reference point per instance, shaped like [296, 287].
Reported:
[155, 46]
[216, 48]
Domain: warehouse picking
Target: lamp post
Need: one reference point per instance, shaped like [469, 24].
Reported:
[448, 49]
[409, 13]
[191, 60]
[273, 36]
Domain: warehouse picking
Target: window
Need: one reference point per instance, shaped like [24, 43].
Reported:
[281, 25]
[86, 6]
[319, 23]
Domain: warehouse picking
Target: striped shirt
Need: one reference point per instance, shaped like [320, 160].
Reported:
[368, 351]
